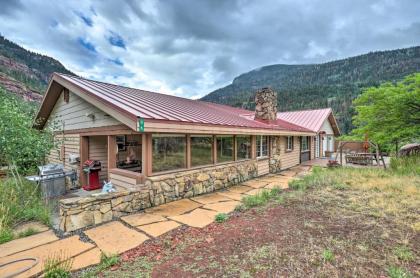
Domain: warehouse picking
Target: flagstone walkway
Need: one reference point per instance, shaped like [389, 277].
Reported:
[116, 237]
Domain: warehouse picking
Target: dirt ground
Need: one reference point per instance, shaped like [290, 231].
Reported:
[317, 233]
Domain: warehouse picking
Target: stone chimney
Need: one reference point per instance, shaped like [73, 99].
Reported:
[266, 104]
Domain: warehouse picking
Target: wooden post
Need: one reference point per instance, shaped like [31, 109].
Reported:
[146, 154]
[84, 155]
[235, 148]
[188, 151]
[112, 153]
[214, 149]
[253, 146]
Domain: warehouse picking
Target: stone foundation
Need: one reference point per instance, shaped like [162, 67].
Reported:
[80, 212]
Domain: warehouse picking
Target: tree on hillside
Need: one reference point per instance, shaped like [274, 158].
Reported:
[390, 113]
[20, 144]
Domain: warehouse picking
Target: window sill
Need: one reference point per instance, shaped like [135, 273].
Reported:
[262, 158]
[289, 151]
[155, 174]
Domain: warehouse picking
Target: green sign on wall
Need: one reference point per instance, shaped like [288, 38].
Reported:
[141, 124]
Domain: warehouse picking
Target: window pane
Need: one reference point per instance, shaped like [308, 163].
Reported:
[262, 146]
[305, 143]
[244, 147]
[201, 150]
[168, 152]
[224, 148]
[264, 151]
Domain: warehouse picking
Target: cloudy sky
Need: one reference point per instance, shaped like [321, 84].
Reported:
[191, 47]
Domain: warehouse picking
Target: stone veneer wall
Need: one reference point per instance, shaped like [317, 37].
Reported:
[266, 104]
[275, 157]
[80, 212]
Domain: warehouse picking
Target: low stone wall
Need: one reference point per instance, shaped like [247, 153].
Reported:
[167, 188]
[80, 212]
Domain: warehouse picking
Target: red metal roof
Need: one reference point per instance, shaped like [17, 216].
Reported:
[310, 119]
[150, 105]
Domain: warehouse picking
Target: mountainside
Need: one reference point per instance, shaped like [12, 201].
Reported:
[26, 73]
[334, 84]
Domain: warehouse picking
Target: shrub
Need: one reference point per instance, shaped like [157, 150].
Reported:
[221, 217]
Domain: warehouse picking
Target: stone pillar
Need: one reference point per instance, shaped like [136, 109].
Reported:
[266, 104]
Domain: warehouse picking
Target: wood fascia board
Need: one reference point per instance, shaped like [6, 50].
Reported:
[52, 94]
[83, 94]
[334, 125]
[168, 127]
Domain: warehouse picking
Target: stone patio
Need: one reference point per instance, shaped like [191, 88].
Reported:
[116, 237]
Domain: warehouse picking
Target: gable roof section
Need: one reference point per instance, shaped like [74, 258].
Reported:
[310, 119]
[128, 105]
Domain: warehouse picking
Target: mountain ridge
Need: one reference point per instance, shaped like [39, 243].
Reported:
[331, 84]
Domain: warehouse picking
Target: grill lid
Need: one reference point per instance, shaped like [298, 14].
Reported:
[51, 169]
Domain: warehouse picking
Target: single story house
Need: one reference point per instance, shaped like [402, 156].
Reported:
[320, 121]
[170, 147]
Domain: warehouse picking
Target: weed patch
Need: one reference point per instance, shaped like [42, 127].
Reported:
[221, 217]
[403, 253]
[398, 272]
[328, 255]
[106, 262]
[20, 201]
[58, 266]
[261, 198]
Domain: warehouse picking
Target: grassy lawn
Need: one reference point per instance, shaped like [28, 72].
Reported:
[333, 223]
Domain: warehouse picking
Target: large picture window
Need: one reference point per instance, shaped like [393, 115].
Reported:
[244, 147]
[305, 143]
[168, 152]
[289, 146]
[201, 150]
[224, 148]
[262, 146]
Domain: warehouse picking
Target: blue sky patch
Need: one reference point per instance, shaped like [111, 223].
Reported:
[116, 40]
[87, 45]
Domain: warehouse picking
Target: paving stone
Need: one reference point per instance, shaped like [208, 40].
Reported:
[255, 191]
[255, 183]
[174, 208]
[160, 228]
[223, 207]
[32, 225]
[232, 195]
[26, 243]
[288, 173]
[86, 259]
[66, 248]
[211, 198]
[198, 218]
[139, 219]
[239, 189]
[277, 178]
[115, 238]
[277, 185]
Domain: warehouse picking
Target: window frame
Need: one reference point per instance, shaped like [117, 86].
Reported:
[307, 144]
[237, 147]
[163, 135]
[191, 151]
[259, 149]
[291, 141]
[233, 148]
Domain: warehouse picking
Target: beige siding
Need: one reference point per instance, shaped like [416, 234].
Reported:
[263, 167]
[72, 115]
[289, 158]
[71, 146]
[122, 181]
[98, 151]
